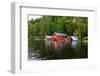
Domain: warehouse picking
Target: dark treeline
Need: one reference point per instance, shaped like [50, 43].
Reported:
[47, 25]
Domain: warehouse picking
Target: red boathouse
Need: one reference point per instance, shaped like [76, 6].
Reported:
[58, 37]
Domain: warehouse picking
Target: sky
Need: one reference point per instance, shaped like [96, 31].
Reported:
[34, 17]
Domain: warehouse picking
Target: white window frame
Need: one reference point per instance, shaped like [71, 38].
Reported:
[17, 61]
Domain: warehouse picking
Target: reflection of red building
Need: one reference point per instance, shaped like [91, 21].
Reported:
[58, 37]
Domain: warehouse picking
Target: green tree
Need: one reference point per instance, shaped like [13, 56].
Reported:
[44, 26]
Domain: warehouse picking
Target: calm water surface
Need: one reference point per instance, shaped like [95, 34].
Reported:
[48, 50]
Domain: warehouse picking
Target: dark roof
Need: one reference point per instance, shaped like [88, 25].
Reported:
[60, 34]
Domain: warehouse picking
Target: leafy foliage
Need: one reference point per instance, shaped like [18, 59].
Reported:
[47, 25]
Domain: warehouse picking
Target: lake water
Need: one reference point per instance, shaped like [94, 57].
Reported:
[48, 50]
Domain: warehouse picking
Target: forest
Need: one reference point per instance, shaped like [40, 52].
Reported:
[47, 25]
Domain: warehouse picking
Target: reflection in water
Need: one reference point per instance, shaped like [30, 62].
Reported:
[51, 50]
